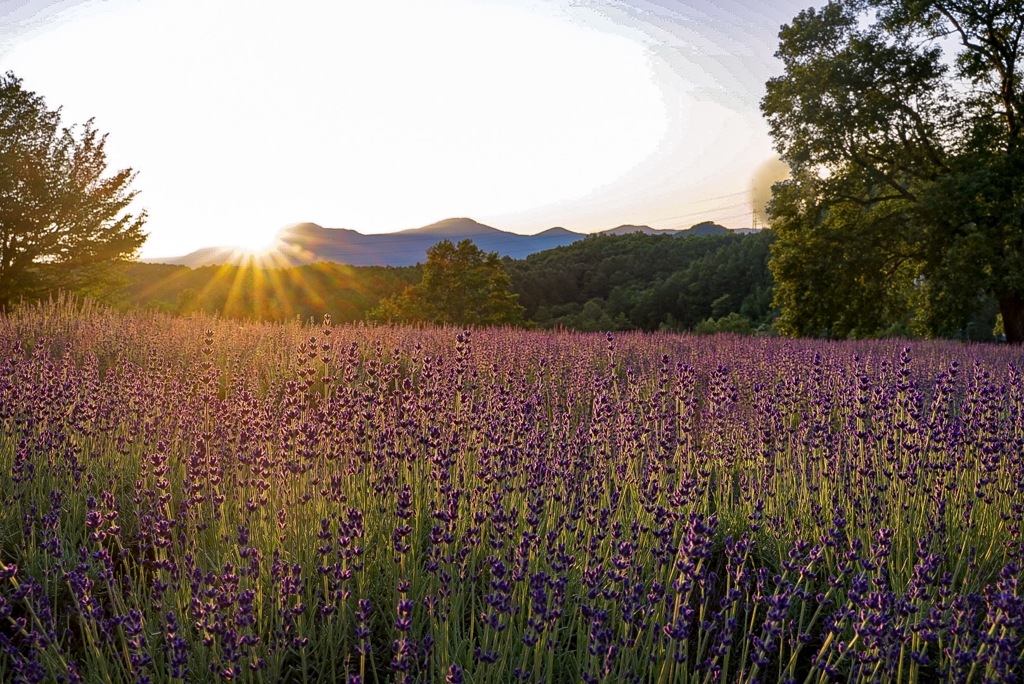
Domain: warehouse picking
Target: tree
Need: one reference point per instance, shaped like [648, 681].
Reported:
[461, 285]
[62, 222]
[901, 122]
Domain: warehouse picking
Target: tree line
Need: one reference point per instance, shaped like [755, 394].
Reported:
[608, 282]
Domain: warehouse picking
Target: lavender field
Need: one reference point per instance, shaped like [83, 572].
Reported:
[202, 501]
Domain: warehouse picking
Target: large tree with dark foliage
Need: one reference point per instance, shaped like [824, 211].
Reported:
[901, 121]
[62, 220]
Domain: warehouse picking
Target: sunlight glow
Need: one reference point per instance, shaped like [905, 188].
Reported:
[242, 118]
[254, 245]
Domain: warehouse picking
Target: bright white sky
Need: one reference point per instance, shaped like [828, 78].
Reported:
[242, 117]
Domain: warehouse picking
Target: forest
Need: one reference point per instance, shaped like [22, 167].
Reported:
[649, 282]
[606, 282]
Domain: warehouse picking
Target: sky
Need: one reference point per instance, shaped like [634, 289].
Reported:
[244, 116]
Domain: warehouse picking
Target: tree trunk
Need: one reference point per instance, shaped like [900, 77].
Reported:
[1012, 309]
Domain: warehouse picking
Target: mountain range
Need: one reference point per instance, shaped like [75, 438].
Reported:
[304, 243]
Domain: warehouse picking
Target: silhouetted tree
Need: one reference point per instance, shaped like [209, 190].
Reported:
[62, 222]
[461, 285]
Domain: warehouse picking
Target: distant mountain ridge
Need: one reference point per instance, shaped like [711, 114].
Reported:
[305, 243]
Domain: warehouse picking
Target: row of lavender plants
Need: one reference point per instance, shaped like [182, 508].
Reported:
[201, 500]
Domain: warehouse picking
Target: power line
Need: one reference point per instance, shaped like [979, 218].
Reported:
[728, 207]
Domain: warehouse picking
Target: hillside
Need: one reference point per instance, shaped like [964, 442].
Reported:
[308, 243]
[251, 292]
[643, 281]
[634, 280]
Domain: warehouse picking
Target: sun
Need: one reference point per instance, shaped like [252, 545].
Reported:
[256, 244]
[383, 116]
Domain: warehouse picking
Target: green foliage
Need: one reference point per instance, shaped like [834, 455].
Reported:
[841, 272]
[62, 222]
[730, 323]
[901, 124]
[461, 285]
[648, 282]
